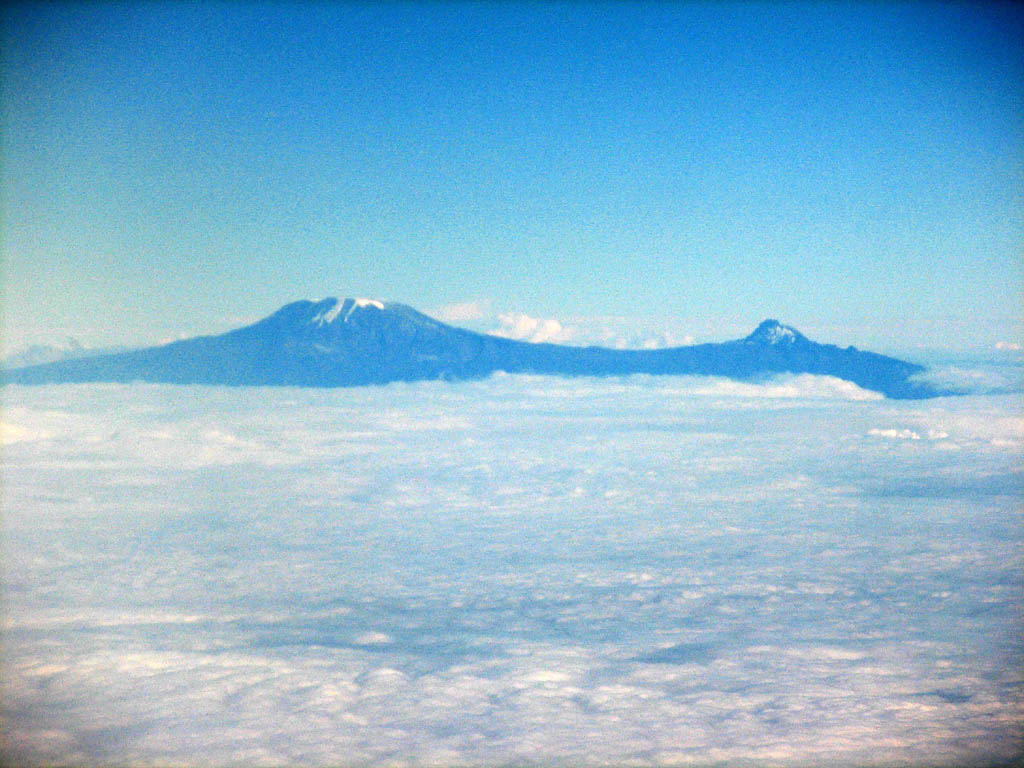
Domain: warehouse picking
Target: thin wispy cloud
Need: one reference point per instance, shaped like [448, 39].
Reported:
[465, 311]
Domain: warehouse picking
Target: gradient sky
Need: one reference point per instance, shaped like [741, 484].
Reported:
[855, 170]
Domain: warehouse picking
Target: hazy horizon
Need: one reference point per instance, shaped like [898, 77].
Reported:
[617, 332]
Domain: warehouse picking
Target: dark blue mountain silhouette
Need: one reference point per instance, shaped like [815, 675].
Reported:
[336, 343]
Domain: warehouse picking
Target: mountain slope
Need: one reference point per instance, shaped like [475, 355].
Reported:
[350, 342]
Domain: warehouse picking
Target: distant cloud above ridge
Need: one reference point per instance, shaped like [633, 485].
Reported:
[465, 311]
[607, 331]
[516, 325]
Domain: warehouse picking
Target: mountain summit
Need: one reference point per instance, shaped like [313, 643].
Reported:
[349, 342]
[773, 332]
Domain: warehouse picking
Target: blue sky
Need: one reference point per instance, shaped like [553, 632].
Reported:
[855, 170]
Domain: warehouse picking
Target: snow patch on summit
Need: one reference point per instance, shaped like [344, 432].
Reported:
[346, 306]
[780, 333]
[361, 304]
[772, 332]
[330, 315]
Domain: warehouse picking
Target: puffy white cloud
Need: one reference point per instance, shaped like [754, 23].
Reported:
[516, 325]
[788, 386]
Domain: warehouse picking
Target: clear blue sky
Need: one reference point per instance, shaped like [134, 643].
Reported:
[855, 170]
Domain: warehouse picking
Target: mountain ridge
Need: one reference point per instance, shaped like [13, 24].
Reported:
[354, 341]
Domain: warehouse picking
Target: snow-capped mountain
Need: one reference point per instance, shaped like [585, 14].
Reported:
[347, 342]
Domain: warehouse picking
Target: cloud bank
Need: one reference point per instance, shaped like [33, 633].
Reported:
[645, 570]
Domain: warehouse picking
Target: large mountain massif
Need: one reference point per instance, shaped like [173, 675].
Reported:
[350, 342]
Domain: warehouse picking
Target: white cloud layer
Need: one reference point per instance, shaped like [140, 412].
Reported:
[641, 570]
[974, 380]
